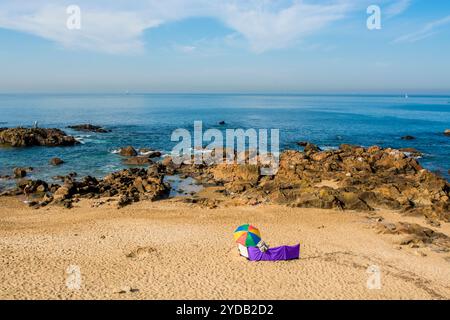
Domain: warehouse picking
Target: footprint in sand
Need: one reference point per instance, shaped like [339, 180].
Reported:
[141, 252]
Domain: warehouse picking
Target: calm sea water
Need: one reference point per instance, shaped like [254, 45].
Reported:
[148, 120]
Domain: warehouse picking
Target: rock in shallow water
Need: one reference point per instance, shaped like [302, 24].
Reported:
[27, 137]
[56, 161]
[89, 128]
[128, 151]
[21, 172]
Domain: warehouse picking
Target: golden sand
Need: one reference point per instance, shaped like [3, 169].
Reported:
[172, 250]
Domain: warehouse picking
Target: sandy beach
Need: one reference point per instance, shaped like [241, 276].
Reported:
[186, 150]
[173, 250]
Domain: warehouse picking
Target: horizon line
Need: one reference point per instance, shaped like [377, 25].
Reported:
[292, 93]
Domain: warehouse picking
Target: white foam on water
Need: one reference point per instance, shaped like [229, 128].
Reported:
[80, 140]
[150, 152]
[329, 148]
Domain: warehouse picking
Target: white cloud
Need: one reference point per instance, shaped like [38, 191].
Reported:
[103, 30]
[185, 49]
[397, 7]
[117, 26]
[427, 31]
[267, 29]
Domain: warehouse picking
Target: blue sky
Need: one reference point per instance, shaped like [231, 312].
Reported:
[225, 46]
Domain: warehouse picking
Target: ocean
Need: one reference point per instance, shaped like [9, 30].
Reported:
[148, 120]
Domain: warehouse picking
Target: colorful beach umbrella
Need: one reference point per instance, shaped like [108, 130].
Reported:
[247, 235]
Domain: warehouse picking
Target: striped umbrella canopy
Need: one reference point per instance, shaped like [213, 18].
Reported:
[247, 235]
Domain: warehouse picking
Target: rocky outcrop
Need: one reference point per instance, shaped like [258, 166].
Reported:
[89, 128]
[129, 185]
[26, 137]
[408, 137]
[416, 236]
[447, 132]
[350, 178]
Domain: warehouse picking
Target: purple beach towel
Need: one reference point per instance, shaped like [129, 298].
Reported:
[274, 254]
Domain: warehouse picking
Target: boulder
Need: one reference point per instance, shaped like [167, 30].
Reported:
[447, 132]
[32, 186]
[26, 137]
[21, 172]
[311, 148]
[128, 151]
[234, 173]
[408, 137]
[137, 161]
[56, 161]
[323, 198]
[63, 192]
[352, 201]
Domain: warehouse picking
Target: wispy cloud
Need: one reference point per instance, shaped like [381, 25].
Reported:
[427, 31]
[107, 30]
[266, 28]
[397, 7]
[184, 48]
[117, 26]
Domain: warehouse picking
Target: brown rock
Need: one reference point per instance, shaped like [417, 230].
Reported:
[89, 128]
[32, 186]
[351, 201]
[311, 148]
[56, 161]
[25, 137]
[374, 149]
[417, 235]
[232, 173]
[138, 161]
[62, 193]
[20, 172]
[128, 151]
